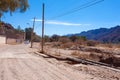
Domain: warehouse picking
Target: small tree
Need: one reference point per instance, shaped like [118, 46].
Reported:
[54, 38]
[12, 6]
[28, 32]
[81, 40]
[73, 38]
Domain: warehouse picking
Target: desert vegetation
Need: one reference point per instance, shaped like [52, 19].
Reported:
[77, 41]
[80, 47]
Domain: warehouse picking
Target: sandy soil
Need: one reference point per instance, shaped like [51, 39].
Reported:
[98, 72]
[17, 62]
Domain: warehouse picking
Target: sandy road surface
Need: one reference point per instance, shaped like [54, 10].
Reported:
[17, 63]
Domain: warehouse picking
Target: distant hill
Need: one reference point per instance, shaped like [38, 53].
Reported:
[102, 34]
[4, 26]
[9, 31]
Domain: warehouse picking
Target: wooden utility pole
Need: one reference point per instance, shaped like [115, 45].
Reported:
[42, 43]
[32, 33]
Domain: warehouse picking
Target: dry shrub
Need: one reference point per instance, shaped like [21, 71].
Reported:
[116, 61]
[67, 45]
[80, 42]
[87, 56]
[95, 56]
[109, 45]
[80, 55]
[64, 40]
[56, 54]
[56, 44]
[92, 43]
[84, 56]
[118, 45]
[75, 53]
[90, 49]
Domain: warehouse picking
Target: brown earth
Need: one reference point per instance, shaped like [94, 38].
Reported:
[18, 62]
[106, 73]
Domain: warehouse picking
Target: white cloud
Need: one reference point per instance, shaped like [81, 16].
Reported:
[37, 20]
[61, 23]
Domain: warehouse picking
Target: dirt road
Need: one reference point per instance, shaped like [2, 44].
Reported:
[18, 63]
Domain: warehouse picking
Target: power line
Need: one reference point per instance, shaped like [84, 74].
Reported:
[86, 5]
[83, 5]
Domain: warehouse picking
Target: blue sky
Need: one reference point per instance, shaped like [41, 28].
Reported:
[104, 14]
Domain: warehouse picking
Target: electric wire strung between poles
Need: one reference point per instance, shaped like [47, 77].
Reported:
[86, 5]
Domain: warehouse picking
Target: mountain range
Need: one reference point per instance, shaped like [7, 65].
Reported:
[104, 35]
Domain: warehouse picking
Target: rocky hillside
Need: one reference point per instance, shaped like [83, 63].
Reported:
[5, 26]
[103, 34]
[9, 31]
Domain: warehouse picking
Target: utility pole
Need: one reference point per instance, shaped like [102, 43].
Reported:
[42, 43]
[32, 33]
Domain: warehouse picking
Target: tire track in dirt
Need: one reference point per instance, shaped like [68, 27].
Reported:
[38, 69]
[29, 71]
[53, 71]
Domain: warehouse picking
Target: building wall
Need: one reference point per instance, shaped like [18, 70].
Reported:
[11, 41]
[2, 40]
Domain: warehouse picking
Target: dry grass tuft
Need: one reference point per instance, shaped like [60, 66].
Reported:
[66, 45]
[87, 55]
